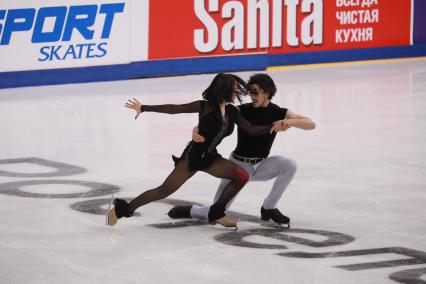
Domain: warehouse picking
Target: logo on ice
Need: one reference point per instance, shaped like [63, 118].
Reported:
[59, 24]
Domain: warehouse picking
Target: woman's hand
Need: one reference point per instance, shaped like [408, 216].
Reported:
[197, 137]
[136, 105]
[280, 125]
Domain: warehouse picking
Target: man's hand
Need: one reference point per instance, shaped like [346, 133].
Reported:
[136, 105]
[280, 125]
[197, 137]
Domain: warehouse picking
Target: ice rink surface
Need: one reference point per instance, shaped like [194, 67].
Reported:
[357, 202]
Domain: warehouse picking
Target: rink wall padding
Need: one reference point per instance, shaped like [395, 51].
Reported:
[76, 41]
[134, 70]
[176, 67]
[347, 55]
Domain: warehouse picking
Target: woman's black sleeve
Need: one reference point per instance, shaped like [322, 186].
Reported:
[173, 109]
[246, 126]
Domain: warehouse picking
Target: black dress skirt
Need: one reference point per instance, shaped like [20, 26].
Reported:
[212, 126]
[196, 157]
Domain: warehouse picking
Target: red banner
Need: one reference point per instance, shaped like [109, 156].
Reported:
[193, 28]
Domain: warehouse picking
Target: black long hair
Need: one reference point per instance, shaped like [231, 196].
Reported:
[221, 89]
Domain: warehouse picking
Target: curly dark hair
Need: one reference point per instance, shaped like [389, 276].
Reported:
[221, 89]
[265, 82]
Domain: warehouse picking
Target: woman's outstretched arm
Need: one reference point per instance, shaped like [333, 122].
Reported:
[168, 108]
[252, 130]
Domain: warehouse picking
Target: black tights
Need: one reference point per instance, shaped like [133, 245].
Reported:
[220, 168]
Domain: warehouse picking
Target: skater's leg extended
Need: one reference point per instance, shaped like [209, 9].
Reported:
[173, 182]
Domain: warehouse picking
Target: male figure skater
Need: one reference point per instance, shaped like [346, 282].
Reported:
[252, 152]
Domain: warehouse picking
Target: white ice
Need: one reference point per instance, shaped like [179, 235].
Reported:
[361, 172]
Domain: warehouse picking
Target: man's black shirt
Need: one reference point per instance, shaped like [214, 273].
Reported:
[258, 146]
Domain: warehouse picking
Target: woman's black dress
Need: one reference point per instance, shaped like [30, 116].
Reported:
[212, 126]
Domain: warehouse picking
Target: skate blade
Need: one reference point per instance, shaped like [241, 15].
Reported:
[111, 218]
[272, 224]
[225, 221]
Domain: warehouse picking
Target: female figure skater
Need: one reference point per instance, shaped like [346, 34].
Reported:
[217, 117]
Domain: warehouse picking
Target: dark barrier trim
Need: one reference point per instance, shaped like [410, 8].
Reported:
[346, 55]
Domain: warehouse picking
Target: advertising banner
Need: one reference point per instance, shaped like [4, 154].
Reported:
[63, 33]
[195, 28]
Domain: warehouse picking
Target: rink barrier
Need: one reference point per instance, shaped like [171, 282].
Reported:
[344, 63]
[134, 70]
[187, 66]
[347, 55]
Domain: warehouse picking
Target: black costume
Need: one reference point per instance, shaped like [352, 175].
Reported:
[258, 116]
[212, 126]
[251, 150]
[200, 156]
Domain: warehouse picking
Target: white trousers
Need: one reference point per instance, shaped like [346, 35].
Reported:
[279, 167]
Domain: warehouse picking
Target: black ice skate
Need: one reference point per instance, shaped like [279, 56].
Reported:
[180, 212]
[120, 209]
[274, 218]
